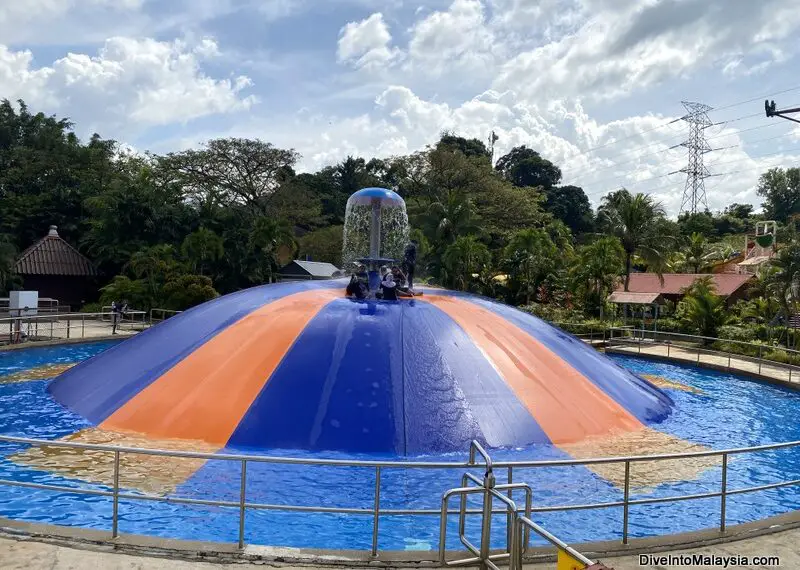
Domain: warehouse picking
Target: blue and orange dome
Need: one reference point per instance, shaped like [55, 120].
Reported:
[299, 366]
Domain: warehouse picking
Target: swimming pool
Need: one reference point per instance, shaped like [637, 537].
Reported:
[714, 409]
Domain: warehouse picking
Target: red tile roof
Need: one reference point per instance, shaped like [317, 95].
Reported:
[51, 255]
[675, 283]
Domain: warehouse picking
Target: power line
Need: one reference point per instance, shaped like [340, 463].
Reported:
[659, 176]
[657, 127]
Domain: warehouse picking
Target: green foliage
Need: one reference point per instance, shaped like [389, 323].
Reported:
[531, 258]
[781, 192]
[525, 167]
[324, 244]
[202, 248]
[185, 291]
[702, 309]
[636, 221]
[463, 262]
[596, 270]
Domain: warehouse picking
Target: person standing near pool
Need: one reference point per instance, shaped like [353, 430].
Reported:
[410, 262]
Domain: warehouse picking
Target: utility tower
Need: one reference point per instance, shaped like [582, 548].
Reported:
[695, 192]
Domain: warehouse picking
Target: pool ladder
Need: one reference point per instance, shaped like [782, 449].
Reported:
[519, 525]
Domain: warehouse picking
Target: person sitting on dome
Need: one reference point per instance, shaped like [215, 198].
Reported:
[388, 288]
[401, 284]
[355, 288]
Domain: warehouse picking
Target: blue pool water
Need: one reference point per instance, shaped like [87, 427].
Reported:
[730, 412]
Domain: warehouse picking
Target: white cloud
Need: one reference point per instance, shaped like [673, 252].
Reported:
[129, 83]
[366, 44]
[452, 41]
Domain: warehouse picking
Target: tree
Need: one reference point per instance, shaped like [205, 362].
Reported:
[634, 219]
[702, 309]
[596, 269]
[699, 222]
[525, 167]
[783, 279]
[570, 205]
[781, 190]
[266, 238]
[698, 252]
[324, 244]
[154, 265]
[201, 248]
[468, 147]
[7, 258]
[531, 257]
[232, 171]
[741, 211]
[185, 291]
[463, 260]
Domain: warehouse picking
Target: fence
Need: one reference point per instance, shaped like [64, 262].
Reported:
[753, 357]
[158, 315]
[65, 326]
[117, 494]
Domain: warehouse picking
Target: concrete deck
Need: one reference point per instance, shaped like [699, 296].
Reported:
[774, 372]
[28, 554]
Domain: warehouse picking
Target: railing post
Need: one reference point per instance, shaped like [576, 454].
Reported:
[242, 493]
[698, 355]
[625, 498]
[376, 511]
[669, 342]
[723, 496]
[509, 518]
[729, 361]
[759, 357]
[486, 528]
[115, 513]
[83, 326]
[51, 330]
[68, 321]
[640, 344]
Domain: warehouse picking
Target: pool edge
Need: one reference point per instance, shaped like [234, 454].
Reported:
[228, 552]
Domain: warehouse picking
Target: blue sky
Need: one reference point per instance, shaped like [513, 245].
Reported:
[376, 78]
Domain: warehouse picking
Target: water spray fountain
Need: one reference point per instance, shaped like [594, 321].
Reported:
[375, 231]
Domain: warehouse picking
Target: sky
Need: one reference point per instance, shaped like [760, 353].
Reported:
[593, 85]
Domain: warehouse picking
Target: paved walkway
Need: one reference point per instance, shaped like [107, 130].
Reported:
[32, 555]
[765, 368]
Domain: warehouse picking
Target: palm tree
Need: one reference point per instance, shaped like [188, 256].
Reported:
[697, 252]
[782, 279]
[266, 238]
[448, 219]
[202, 247]
[153, 264]
[702, 308]
[532, 256]
[464, 258]
[761, 309]
[636, 221]
[597, 269]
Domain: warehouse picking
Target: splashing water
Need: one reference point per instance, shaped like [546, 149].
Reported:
[394, 229]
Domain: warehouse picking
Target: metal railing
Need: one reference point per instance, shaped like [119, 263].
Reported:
[759, 354]
[376, 511]
[158, 315]
[64, 326]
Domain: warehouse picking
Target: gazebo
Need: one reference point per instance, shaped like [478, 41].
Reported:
[57, 270]
[646, 302]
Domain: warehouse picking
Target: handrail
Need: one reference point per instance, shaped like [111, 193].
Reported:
[645, 333]
[524, 521]
[494, 491]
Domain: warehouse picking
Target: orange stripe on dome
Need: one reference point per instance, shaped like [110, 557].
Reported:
[205, 395]
[565, 404]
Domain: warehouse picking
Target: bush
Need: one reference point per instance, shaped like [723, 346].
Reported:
[92, 308]
[741, 333]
